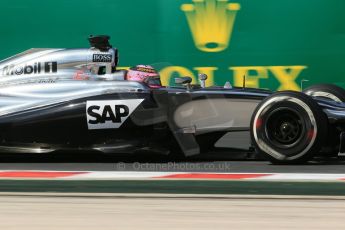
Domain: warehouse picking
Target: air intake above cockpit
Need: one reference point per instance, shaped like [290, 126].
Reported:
[100, 42]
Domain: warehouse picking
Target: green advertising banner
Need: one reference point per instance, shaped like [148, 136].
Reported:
[275, 44]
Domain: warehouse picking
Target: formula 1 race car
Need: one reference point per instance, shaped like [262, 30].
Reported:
[77, 99]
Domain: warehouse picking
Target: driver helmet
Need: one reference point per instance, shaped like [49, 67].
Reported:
[146, 74]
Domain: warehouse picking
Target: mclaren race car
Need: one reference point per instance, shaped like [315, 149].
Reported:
[77, 99]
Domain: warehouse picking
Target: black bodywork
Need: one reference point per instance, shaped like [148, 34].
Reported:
[151, 127]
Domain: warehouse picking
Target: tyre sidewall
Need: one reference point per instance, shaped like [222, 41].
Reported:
[314, 124]
[326, 91]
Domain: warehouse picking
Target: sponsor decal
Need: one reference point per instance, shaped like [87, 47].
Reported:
[102, 58]
[211, 23]
[146, 70]
[47, 80]
[110, 114]
[35, 68]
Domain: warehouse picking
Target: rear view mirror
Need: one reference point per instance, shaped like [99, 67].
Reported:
[183, 80]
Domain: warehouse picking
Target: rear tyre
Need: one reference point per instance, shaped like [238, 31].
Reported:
[333, 93]
[326, 91]
[288, 127]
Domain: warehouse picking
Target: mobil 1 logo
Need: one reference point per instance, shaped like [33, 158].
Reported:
[109, 114]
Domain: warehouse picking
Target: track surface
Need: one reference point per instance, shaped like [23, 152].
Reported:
[213, 163]
[50, 213]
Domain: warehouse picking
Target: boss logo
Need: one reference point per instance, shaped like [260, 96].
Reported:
[102, 58]
[109, 114]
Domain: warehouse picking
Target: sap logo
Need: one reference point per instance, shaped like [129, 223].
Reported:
[109, 114]
[102, 58]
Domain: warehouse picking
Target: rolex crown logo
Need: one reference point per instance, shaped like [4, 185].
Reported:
[211, 23]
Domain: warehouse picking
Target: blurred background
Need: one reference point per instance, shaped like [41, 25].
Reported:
[276, 44]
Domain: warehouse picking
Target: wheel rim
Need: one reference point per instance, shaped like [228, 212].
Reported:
[284, 127]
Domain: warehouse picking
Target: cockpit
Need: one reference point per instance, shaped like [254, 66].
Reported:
[105, 60]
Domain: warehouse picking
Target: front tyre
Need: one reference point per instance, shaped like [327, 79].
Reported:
[288, 127]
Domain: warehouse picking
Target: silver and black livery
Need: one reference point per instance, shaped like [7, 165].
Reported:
[58, 99]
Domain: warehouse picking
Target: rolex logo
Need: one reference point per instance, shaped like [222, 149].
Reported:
[211, 23]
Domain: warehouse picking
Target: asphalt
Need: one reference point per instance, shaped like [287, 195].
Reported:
[206, 187]
[60, 212]
[86, 213]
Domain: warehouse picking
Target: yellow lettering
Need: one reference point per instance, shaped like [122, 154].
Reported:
[209, 71]
[122, 67]
[287, 76]
[252, 79]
